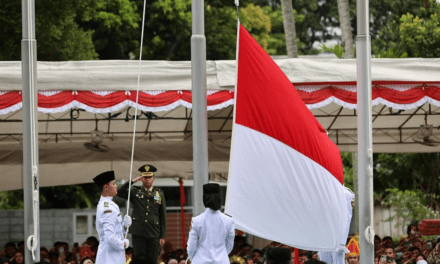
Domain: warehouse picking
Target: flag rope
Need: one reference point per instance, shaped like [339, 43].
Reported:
[135, 114]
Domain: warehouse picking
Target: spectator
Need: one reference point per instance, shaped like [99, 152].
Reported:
[420, 257]
[315, 255]
[390, 256]
[172, 261]
[388, 242]
[278, 256]
[167, 252]
[238, 243]
[245, 250]
[304, 258]
[89, 248]
[44, 254]
[314, 261]
[353, 259]
[87, 260]
[257, 255]
[434, 257]
[377, 244]
[18, 258]
[20, 246]
[128, 254]
[411, 255]
[182, 261]
[430, 245]
[70, 258]
[54, 257]
[8, 252]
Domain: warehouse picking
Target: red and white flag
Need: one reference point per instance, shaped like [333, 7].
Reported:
[285, 177]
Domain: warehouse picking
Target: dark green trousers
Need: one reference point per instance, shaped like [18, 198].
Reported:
[146, 250]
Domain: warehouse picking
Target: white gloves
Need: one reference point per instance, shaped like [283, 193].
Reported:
[126, 243]
[127, 221]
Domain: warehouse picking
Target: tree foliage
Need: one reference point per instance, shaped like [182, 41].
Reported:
[65, 30]
[409, 206]
[70, 196]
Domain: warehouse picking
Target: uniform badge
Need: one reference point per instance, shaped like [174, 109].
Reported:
[105, 204]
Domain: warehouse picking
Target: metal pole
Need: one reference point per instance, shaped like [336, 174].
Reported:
[200, 128]
[30, 132]
[356, 192]
[365, 148]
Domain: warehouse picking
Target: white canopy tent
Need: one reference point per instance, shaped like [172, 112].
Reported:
[105, 89]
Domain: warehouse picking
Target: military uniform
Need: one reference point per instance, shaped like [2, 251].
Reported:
[149, 221]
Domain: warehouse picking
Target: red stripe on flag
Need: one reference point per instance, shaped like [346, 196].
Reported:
[267, 102]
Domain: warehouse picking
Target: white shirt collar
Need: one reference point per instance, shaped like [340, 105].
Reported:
[107, 198]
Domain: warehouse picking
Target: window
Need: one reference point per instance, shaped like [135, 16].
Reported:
[84, 226]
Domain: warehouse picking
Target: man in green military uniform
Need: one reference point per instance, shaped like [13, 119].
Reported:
[148, 229]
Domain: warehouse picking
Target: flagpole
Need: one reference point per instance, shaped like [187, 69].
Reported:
[365, 141]
[30, 133]
[199, 110]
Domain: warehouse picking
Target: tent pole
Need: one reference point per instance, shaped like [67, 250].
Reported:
[199, 104]
[365, 148]
[30, 131]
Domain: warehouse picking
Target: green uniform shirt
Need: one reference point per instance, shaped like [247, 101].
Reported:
[149, 211]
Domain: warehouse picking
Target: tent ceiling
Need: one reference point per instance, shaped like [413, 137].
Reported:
[165, 137]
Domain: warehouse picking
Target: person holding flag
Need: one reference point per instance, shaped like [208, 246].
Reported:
[109, 222]
[212, 233]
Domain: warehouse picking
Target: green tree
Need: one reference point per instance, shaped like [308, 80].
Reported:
[385, 28]
[409, 206]
[61, 27]
[257, 23]
[70, 196]
[421, 37]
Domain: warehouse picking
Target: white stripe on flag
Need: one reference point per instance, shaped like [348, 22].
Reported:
[277, 193]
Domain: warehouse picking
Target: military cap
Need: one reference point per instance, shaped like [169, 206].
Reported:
[104, 178]
[147, 170]
[278, 255]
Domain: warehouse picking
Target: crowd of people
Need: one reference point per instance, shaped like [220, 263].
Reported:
[408, 250]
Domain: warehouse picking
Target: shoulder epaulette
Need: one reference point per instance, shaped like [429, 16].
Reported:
[105, 204]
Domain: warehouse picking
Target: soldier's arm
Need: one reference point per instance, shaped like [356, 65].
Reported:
[123, 190]
[163, 218]
[108, 223]
[193, 241]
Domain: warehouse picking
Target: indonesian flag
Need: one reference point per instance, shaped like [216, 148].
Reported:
[285, 177]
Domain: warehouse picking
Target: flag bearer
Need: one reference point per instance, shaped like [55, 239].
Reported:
[109, 222]
[212, 233]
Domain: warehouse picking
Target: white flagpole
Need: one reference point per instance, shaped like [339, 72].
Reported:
[199, 103]
[30, 133]
[365, 141]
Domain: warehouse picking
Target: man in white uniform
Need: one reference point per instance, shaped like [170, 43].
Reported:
[212, 233]
[338, 256]
[109, 222]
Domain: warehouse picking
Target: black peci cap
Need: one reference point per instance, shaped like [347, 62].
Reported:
[104, 178]
[211, 188]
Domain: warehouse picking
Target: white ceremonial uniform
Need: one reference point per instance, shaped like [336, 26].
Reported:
[338, 256]
[211, 238]
[110, 229]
